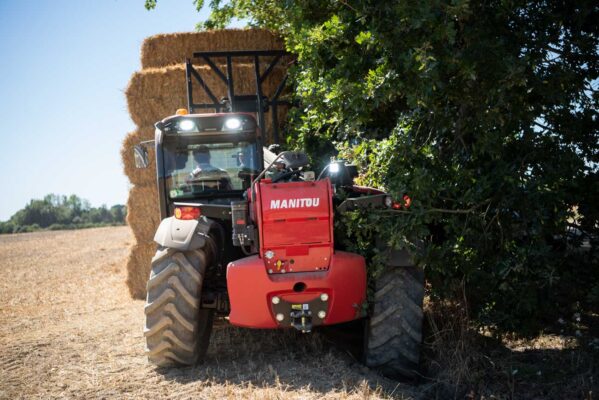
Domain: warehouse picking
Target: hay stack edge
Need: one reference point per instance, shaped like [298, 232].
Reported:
[156, 92]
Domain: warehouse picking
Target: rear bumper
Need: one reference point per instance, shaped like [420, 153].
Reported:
[251, 292]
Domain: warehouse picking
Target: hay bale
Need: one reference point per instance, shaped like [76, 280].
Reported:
[143, 213]
[137, 176]
[138, 268]
[169, 49]
[156, 93]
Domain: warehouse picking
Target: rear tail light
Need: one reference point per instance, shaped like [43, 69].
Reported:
[396, 205]
[187, 213]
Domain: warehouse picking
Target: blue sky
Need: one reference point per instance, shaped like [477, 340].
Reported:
[64, 66]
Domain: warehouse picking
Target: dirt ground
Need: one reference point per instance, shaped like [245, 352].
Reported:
[68, 329]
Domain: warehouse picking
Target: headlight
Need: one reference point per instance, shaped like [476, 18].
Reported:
[233, 123]
[334, 168]
[187, 125]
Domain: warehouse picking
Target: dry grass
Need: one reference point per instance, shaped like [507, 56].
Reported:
[466, 363]
[69, 329]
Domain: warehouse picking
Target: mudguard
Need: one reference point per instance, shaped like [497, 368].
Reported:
[182, 235]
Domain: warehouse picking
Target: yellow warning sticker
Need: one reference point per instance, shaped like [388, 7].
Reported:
[296, 306]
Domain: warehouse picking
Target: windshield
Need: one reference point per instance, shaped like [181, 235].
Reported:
[195, 168]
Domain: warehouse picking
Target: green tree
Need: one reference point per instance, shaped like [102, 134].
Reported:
[118, 213]
[485, 113]
[61, 212]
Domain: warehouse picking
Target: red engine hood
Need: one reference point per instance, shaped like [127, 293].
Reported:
[295, 223]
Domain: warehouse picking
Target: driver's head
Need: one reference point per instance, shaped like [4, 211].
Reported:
[202, 155]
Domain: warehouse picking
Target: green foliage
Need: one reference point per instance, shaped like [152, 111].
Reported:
[485, 113]
[56, 212]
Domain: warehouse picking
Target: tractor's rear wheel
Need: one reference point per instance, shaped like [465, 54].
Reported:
[177, 331]
[394, 331]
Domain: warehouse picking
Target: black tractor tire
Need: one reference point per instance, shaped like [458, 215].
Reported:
[177, 331]
[394, 330]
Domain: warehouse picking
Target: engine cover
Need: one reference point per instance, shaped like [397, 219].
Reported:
[295, 225]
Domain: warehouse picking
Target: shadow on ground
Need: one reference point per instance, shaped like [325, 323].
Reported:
[327, 363]
[288, 360]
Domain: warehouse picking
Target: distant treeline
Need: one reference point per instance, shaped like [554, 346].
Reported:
[56, 212]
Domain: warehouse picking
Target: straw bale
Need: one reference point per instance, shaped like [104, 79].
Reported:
[173, 48]
[138, 268]
[282, 119]
[143, 214]
[156, 93]
[138, 176]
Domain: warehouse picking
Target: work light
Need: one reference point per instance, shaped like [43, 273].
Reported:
[187, 125]
[334, 168]
[233, 123]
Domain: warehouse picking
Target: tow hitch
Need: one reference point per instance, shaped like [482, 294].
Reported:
[301, 319]
[301, 316]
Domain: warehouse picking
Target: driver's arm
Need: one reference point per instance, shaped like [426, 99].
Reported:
[194, 174]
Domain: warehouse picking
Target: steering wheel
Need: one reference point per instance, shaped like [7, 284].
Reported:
[286, 175]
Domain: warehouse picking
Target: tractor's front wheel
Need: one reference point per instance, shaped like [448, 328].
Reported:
[177, 331]
[394, 331]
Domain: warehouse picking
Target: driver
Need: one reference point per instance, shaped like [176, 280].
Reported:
[241, 161]
[206, 173]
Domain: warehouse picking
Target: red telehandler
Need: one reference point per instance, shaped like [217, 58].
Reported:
[247, 235]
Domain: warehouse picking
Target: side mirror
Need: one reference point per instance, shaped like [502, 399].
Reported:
[140, 154]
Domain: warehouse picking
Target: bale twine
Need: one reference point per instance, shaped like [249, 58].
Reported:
[138, 267]
[169, 49]
[141, 177]
[143, 216]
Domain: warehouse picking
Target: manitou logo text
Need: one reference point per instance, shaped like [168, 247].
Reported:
[295, 203]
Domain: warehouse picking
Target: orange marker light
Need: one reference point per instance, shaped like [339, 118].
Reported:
[187, 213]
[181, 111]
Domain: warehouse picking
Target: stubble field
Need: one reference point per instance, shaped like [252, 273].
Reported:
[69, 329]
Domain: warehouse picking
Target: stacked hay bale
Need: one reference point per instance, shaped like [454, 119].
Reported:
[156, 92]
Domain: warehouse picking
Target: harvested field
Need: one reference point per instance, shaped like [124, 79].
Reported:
[69, 329]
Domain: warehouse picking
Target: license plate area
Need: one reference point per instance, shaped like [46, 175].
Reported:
[301, 316]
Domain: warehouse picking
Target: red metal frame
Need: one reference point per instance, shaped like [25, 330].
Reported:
[251, 290]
